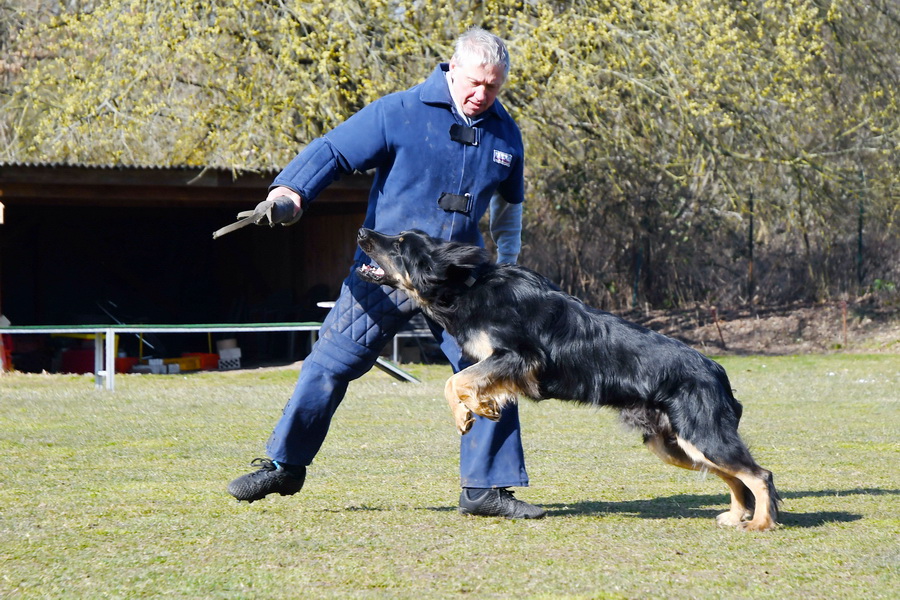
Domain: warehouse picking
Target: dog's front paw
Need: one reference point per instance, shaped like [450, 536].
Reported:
[488, 408]
[464, 418]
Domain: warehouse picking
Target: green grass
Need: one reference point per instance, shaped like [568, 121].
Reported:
[122, 494]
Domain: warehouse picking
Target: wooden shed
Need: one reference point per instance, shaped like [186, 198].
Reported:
[86, 244]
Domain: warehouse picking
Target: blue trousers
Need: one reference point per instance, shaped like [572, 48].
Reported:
[364, 318]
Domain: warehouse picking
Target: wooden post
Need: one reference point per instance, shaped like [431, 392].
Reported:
[750, 282]
[715, 317]
[638, 265]
[859, 244]
[844, 320]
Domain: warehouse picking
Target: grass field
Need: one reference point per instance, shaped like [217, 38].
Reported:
[122, 494]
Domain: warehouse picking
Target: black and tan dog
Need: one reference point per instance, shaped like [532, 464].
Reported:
[528, 338]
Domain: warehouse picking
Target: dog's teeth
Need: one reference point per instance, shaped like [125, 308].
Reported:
[373, 270]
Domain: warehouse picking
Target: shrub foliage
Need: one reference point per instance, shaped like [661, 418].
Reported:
[678, 152]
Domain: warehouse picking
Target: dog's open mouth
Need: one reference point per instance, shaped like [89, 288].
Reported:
[371, 273]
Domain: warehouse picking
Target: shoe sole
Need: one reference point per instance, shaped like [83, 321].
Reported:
[467, 513]
[252, 500]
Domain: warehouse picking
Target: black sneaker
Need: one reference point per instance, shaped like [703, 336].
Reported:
[496, 502]
[271, 478]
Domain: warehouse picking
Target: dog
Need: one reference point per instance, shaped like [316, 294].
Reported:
[528, 338]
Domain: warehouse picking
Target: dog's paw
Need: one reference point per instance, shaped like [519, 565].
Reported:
[488, 409]
[740, 522]
[729, 519]
[758, 525]
[464, 419]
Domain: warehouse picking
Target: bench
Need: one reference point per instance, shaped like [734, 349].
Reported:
[105, 336]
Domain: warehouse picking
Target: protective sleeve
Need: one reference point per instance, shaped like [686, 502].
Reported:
[513, 187]
[506, 228]
[314, 169]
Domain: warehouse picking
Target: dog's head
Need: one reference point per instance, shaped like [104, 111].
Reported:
[418, 264]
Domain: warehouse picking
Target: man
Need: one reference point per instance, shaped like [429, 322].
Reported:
[443, 152]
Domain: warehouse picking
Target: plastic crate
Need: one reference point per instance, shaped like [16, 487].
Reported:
[227, 364]
[208, 362]
[185, 363]
[124, 364]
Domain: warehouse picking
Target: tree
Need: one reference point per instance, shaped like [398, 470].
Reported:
[238, 84]
[648, 124]
[657, 120]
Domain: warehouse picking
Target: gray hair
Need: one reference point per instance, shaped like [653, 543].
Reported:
[480, 47]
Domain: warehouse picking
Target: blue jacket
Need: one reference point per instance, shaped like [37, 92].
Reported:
[406, 138]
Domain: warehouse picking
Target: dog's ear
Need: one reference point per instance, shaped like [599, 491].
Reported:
[459, 274]
[420, 268]
[464, 255]
[456, 262]
[432, 263]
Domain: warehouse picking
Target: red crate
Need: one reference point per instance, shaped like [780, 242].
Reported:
[208, 362]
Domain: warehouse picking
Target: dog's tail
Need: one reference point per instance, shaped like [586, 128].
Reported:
[728, 391]
[774, 497]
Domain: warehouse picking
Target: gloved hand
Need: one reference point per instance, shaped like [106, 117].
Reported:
[278, 208]
[273, 212]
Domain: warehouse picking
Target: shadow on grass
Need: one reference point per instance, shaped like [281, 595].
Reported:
[840, 493]
[679, 506]
[696, 506]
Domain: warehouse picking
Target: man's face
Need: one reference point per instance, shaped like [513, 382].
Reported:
[475, 87]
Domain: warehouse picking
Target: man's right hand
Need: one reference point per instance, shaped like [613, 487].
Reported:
[281, 207]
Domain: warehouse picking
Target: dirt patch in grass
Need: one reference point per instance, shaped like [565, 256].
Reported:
[864, 326]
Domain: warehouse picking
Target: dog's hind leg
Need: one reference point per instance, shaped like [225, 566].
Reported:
[742, 475]
[761, 484]
[667, 448]
[742, 502]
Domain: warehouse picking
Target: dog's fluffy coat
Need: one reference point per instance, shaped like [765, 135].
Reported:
[529, 338]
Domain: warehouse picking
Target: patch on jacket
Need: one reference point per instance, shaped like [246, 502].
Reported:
[502, 158]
